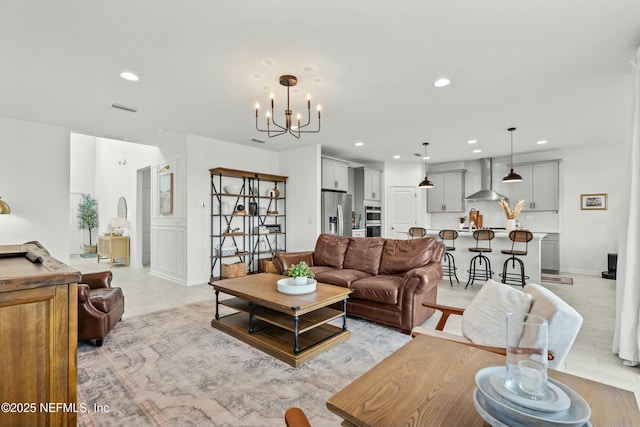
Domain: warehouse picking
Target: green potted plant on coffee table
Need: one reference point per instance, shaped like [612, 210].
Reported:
[300, 273]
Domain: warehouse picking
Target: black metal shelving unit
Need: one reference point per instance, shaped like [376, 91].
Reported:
[249, 224]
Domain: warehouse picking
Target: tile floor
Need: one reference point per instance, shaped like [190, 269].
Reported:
[593, 297]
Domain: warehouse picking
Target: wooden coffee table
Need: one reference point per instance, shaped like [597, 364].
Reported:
[292, 328]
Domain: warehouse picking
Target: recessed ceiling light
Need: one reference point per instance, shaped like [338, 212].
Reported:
[128, 75]
[426, 158]
[396, 156]
[543, 141]
[359, 144]
[477, 150]
[442, 82]
[472, 141]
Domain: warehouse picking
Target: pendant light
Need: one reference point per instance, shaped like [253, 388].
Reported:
[512, 176]
[426, 183]
[4, 207]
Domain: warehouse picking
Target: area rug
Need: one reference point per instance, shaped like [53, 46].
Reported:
[172, 368]
[555, 278]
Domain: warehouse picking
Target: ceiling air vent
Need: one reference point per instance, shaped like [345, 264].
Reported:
[124, 107]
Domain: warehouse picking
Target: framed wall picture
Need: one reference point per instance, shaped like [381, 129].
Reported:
[593, 202]
[165, 196]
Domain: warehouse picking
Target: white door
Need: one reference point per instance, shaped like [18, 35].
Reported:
[402, 211]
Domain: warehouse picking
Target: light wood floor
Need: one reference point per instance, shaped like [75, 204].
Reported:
[593, 297]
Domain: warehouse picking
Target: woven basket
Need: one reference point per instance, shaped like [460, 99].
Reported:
[267, 266]
[234, 270]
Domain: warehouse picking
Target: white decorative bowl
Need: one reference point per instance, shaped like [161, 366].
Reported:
[288, 286]
[232, 189]
[118, 231]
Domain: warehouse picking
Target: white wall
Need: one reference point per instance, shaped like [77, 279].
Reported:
[204, 154]
[303, 166]
[34, 181]
[82, 170]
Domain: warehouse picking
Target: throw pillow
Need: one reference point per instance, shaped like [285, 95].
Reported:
[485, 319]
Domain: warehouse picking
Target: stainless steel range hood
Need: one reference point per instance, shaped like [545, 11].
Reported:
[486, 176]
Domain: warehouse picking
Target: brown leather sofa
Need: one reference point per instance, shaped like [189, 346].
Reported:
[389, 279]
[100, 306]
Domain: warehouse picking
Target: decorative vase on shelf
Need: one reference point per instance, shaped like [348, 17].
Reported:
[511, 225]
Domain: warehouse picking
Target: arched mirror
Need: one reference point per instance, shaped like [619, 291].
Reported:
[122, 208]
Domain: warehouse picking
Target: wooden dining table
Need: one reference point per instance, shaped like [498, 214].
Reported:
[430, 382]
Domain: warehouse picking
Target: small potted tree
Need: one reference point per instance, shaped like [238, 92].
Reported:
[300, 273]
[88, 219]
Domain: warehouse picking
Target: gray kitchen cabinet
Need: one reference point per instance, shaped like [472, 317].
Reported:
[539, 187]
[335, 175]
[368, 183]
[550, 253]
[447, 192]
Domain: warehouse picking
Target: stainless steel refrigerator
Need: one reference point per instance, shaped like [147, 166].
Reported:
[336, 213]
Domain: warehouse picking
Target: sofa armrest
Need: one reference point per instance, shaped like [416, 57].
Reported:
[83, 293]
[428, 276]
[284, 260]
[97, 280]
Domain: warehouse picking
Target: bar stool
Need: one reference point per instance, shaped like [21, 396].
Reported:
[417, 232]
[521, 237]
[474, 272]
[449, 263]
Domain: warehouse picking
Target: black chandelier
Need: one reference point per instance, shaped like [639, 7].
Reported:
[295, 130]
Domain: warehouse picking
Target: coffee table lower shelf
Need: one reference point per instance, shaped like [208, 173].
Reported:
[277, 342]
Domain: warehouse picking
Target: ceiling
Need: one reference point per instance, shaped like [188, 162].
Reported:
[556, 70]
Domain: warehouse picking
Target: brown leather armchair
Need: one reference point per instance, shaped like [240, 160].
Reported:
[100, 306]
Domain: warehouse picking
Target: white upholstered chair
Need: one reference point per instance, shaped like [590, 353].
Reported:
[484, 320]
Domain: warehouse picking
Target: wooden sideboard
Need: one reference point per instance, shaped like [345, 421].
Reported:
[112, 248]
[38, 338]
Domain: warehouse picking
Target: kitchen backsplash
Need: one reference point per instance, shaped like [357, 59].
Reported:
[492, 216]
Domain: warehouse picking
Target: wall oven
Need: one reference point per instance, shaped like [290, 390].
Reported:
[373, 230]
[372, 213]
[373, 221]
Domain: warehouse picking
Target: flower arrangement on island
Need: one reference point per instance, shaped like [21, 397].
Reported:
[511, 214]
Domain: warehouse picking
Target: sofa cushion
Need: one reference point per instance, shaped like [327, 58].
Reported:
[484, 321]
[382, 289]
[400, 256]
[364, 254]
[330, 250]
[316, 269]
[340, 277]
[105, 299]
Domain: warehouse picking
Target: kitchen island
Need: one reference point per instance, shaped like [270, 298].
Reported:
[462, 255]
